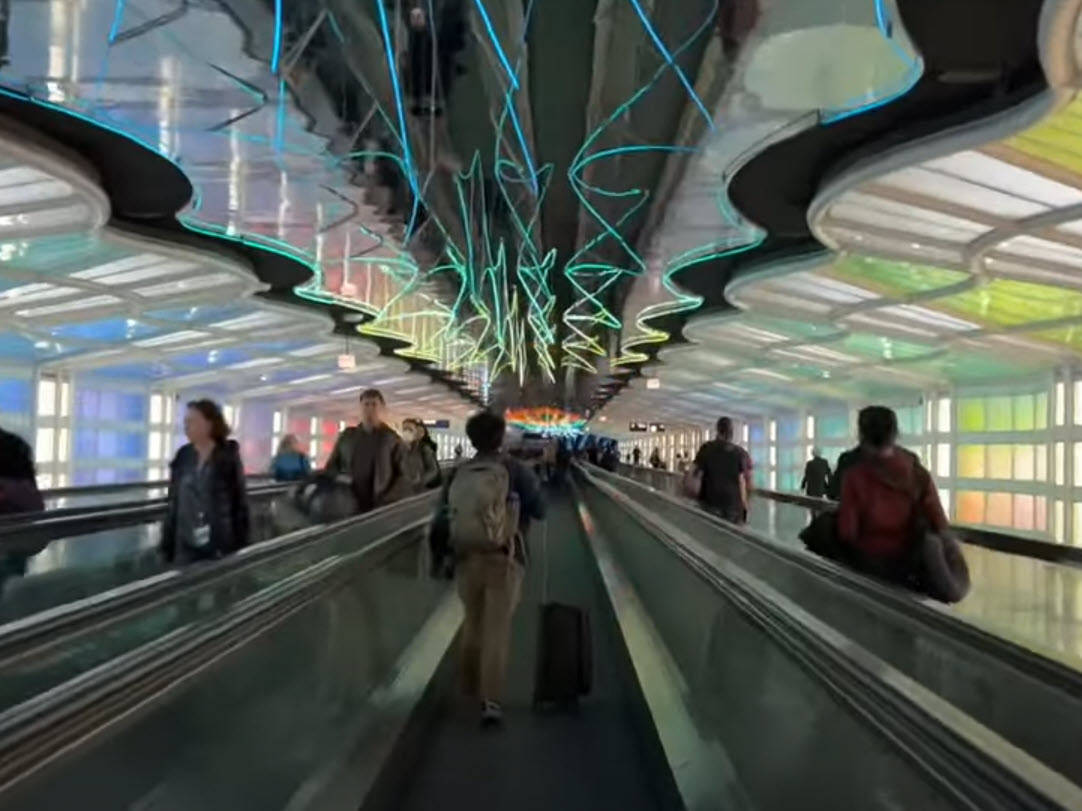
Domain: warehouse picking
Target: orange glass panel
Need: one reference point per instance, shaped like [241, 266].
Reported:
[999, 512]
[970, 507]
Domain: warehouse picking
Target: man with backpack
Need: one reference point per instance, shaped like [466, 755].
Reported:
[481, 524]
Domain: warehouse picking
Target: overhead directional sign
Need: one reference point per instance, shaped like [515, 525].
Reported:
[638, 426]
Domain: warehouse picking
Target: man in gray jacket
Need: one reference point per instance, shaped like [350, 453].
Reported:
[372, 455]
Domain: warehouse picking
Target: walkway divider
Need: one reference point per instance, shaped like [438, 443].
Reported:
[970, 762]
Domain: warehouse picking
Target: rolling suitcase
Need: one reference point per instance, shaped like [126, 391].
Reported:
[564, 652]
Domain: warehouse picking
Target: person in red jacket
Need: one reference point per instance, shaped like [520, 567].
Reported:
[885, 495]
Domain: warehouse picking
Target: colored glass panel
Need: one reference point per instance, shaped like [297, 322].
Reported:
[1005, 303]
[999, 511]
[999, 464]
[970, 507]
[893, 279]
[1025, 406]
[1040, 416]
[999, 414]
[1040, 514]
[971, 414]
[1024, 514]
[971, 460]
[1024, 463]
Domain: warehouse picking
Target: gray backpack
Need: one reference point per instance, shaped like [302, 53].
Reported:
[482, 513]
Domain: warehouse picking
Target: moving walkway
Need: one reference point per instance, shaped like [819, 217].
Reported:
[317, 671]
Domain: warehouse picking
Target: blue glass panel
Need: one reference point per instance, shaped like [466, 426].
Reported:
[107, 444]
[16, 346]
[789, 429]
[133, 407]
[113, 329]
[15, 395]
[87, 403]
[82, 477]
[86, 443]
[756, 432]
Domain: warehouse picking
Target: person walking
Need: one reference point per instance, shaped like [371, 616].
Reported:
[481, 524]
[421, 466]
[723, 468]
[816, 475]
[371, 457]
[636, 456]
[890, 519]
[290, 463]
[207, 512]
[18, 481]
[655, 460]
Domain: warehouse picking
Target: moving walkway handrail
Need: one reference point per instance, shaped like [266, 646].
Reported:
[45, 629]
[82, 521]
[1031, 662]
[56, 722]
[967, 759]
[1000, 541]
[154, 484]
[255, 489]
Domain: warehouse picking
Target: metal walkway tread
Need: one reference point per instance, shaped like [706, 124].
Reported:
[596, 759]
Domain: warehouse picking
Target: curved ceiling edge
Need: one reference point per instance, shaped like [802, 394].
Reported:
[142, 192]
[954, 139]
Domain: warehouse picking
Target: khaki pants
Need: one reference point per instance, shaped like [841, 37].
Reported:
[489, 587]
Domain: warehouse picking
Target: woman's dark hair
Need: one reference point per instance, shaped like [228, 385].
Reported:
[219, 430]
[16, 458]
[878, 426]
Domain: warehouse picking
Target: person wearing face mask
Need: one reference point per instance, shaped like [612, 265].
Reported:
[421, 466]
[207, 509]
[371, 456]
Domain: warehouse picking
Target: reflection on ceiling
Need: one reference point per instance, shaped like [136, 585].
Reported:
[81, 297]
[429, 163]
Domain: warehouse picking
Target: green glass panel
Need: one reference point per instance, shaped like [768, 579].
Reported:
[893, 279]
[833, 426]
[971, 414]
[1040, 416]
[1024, 406]
[1057, 139]
[1004, 303]
[876, 347]
[910, 421]
[999, 414]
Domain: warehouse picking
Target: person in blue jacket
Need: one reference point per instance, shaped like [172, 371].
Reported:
[289, 464]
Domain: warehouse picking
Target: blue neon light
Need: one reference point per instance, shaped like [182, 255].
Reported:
[407, 153]
[496, 43]
[916, 69]
[118, 16]
[672, 63]
[276, 53]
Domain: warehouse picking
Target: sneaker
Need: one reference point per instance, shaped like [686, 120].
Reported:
[491, 714]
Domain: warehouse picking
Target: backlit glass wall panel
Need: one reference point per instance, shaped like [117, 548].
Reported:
[16, 400]
[110, 431]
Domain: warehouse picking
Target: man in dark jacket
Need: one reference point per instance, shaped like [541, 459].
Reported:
[816, 475]
[371, 456]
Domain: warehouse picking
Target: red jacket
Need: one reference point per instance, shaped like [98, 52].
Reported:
[879, 497]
